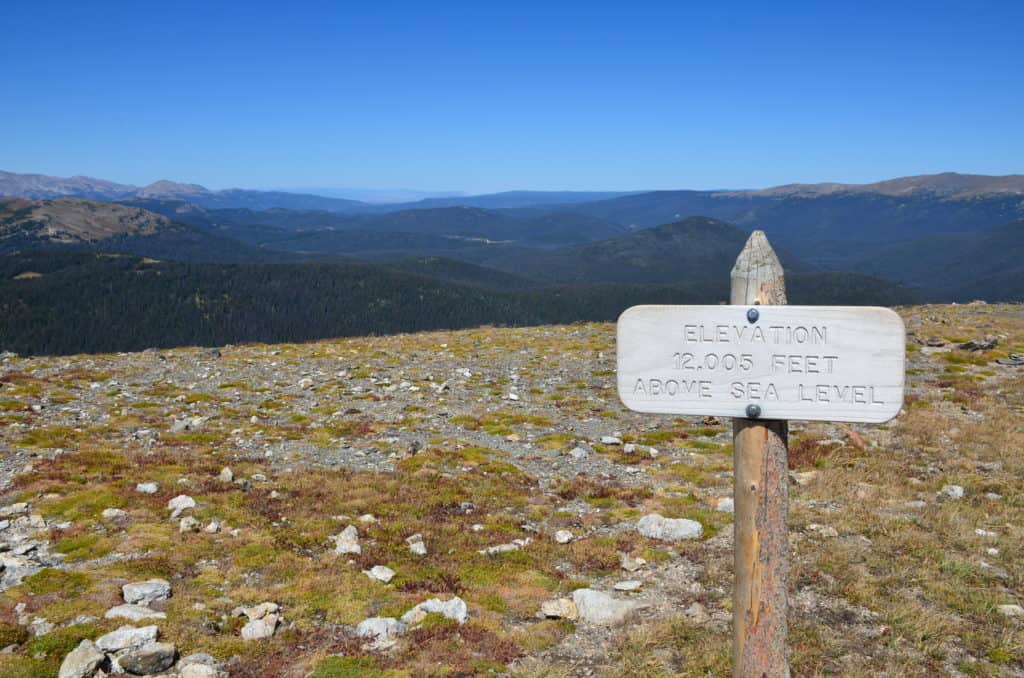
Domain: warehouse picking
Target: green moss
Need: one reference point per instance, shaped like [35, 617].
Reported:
[347, 667]
[87, 503]
[84, 546]
[59, 642]
[12, 634]
[16, 666]
[49, 580]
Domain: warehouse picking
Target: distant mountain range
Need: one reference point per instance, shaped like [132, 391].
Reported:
[946, 237]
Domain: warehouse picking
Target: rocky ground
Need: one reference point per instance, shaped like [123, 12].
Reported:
[478, 503]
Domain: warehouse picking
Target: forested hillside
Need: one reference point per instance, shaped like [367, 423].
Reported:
[70, 302]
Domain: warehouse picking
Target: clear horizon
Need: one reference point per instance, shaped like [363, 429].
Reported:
[480, 99]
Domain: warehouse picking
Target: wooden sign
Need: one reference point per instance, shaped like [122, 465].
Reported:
[826, 363]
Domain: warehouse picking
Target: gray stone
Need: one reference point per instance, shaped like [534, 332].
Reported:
[658, 527]
[560, 608]
[953, 491]
[1010, 610]
[381, 631]
[181, 503]
[563, 536]
[82, 662]
[629, 585]
[348, 541]
[133, 613]
[127, 638]
[600, 608]
[454, 609]
[226, 475]
[114, 514]
[381, 573]
[416, 545]
[146, 592]
[257, 629]
[189, 524]
[149, 659]
[147, 488]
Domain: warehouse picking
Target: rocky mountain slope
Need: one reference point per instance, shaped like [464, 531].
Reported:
[478, 502]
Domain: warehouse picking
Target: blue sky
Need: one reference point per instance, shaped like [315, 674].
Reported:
[489, 96]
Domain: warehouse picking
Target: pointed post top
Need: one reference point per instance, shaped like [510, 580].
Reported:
[757, 277]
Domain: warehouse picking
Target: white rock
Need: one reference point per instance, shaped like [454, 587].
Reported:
[149, 659]
[610, 440]
[133, 613]
[992, 551]
[600, 608]
[563, 536]
[655, 526]
[114, 514]
[381, 573]
[13, 509]
[823, 530]
[454, 609]
[257, 629]
[198, 671]
[367, 519]
[127, 637]
[513, 396]
[212, 528]
[953, 491]
[560, 608]
[631, 564]
[146, 592]
[416, 544]
[725, 505]
[147, 488]
[1010, 610]
[256, 611]
[347, 541]
[226, 475]
[189, 524]
[985, 533]
[629, 585]
[382, 631]
[514, 545]
[803, 478]
[578, 453]
[182, 502]
[82, 662]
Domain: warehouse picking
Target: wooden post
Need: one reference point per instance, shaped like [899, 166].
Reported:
[761, 492]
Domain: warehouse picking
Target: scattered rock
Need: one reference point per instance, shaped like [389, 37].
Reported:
[823, 530]
[600, 608]
[1010, 610]
[725, 505]
[147, 488]
[514, 545]
[655, 526]
[416, 544]
[610, 440]
[631, 564]
[258, 629]
[563, 536]
[189, 524]
[579, 453]
[82, 662]
[454, 609]
[226, 475]
[347, 541]
[114, 514]
[802, 478]
[127, 638]
[133, 613]
[953, 491]
[382, 631]
[13, 509]
[629, 585]
[560, 608]
[985, 344]
[146, 592]
[181, 503]
[381, 573]
[149, 659]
